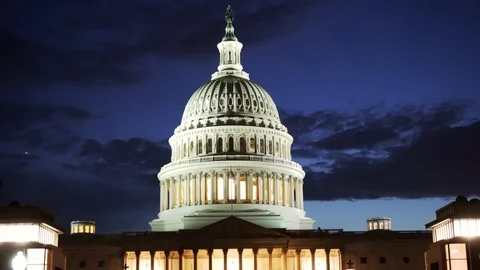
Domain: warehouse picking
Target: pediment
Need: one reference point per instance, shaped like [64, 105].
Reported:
[233, 228]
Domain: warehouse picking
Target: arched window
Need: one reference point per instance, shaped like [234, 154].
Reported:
[231, 144]
[184, 149]
[220, 145]
[252, 145]
[270, 147]
[243, 146]
[277, 149]
[262, 146]
[200, 146]
[209, 146]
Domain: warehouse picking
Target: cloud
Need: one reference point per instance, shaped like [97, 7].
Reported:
[407, 152]
[72, 198]
[437, 164]
[370, 127]
[100, 43]
[135, 160]
[40, 126]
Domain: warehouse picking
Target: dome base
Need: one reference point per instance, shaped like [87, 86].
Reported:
[268, 216]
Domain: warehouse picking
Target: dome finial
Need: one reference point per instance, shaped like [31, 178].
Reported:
[229, 30]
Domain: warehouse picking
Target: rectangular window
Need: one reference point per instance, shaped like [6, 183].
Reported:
[456, 256]
[220, 188]
[243, 189]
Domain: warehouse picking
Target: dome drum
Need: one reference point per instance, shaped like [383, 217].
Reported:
[231, 140]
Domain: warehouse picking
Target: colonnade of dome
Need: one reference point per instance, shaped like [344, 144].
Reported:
[228, 186]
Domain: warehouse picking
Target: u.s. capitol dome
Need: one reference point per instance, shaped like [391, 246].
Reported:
[231, 155]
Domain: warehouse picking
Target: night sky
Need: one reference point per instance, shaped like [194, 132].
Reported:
[380, 96]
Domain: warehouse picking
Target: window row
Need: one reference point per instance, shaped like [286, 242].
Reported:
[383, 260]
[206, 146]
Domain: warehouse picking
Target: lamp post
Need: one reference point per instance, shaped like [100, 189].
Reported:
[350, 265]
[19, 262]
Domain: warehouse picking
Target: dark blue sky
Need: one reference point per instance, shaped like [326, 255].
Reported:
[380, 96]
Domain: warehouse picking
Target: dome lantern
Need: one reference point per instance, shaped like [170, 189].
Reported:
[230, 49]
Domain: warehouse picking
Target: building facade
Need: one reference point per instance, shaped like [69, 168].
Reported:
[455, 231]
[31, 232]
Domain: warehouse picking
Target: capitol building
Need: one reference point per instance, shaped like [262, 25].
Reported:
[232, 199]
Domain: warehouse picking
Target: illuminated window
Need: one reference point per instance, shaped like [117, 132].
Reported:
[252, 145]
[243, 188]
[220, 145]
[243, 146]
[280, 191]
[456, 256]
[220, 187]
[466, 227]
[231, 188]
[182, 192]
[255, 188]
[192, 190]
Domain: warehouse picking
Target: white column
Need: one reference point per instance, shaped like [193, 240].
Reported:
[213, 178]
[177, 187]
[161, 196]
[226, 176]
[275, 186]
[250, 186]
[214, 186]
[292, 188]
[266, 187]
[284, 186]
[187, 189]
[297, 194]
[202, 188]
[260, 187]
[301, 195]
[237, 186]
[170, 192]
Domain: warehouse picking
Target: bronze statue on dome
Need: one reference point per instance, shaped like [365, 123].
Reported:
[229, 15]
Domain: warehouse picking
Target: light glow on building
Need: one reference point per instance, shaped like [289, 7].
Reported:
[28, 232]
[462, 227]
